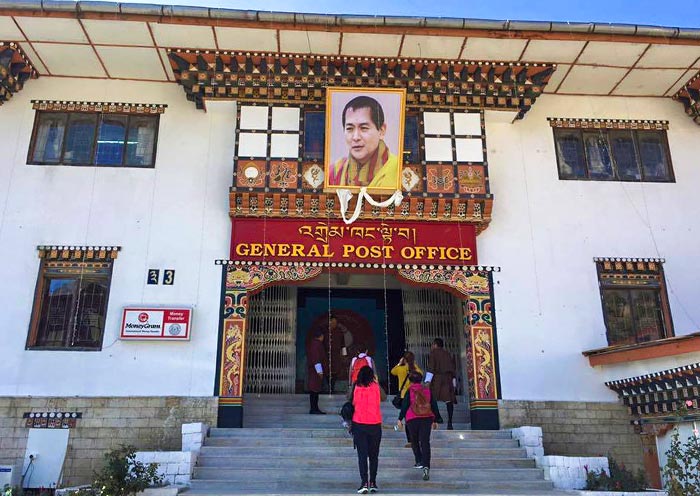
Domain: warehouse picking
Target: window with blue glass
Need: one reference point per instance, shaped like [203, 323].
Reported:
[314, 134]
[92, 138]
[613, 155]
[411, 139]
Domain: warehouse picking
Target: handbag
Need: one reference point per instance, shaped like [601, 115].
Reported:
[398, 399]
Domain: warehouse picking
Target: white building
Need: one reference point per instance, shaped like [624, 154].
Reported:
[136, 136]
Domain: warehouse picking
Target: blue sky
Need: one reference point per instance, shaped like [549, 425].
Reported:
[674, 13]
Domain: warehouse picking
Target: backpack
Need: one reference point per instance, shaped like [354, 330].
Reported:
[359, 363]
[420, 406]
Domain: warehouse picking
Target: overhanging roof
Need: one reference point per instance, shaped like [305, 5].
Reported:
[129, 41]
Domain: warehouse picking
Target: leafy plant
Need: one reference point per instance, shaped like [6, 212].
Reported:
[682, 470]
[619, 478]
[6, 491]
[122, 475]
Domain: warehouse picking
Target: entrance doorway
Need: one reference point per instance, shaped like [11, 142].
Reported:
[388, 322]
[369, 318]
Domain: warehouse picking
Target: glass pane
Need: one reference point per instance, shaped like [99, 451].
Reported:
[598, 154]
[622, 143]
[48, 140]
[411, 142]
[314, 135]
[647, 312]
[141, 141]
[56, 311]
[652, 149]
[618, 312]
[90, 320]
[110, 140]
[570, 154]
[80, 138]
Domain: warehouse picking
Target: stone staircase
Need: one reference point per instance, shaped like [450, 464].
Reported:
[284, 450]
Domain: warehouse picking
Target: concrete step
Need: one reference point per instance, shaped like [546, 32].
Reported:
[414, 485]
[250, 442]
[305, 452]
[328, 422]
[401, 460]
[348, 472]
[324, 433]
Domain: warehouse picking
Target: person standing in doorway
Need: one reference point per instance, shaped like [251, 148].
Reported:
[367, 427]
[420, 411]
[315, 361]
[401, 370]
[442, 376]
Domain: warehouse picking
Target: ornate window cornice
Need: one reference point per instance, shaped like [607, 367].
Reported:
[562, 122]
[59, 253]
[104, 107]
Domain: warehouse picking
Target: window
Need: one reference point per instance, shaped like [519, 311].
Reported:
[635, 303]
[613, 154]
[94, 138]
[71, 298]
[314, 134]
[411, 139]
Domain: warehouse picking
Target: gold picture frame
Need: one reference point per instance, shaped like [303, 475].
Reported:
[364, 139]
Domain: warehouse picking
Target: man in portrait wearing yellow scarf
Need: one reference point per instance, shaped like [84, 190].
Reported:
[369, 161]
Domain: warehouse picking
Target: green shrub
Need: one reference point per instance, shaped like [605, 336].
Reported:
[619, 479]
[122, 475]
[682, 470]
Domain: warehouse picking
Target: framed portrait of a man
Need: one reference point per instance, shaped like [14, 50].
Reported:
[364, 138]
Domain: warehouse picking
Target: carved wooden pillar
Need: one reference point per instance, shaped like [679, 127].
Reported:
[482, 356]
[239, 280]
[475, 287]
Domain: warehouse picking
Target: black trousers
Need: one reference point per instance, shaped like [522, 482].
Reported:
[313, 401]
[367, 439]
[419, 429]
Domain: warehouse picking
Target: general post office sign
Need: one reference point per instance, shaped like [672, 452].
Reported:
[439, 243]
[160, 324]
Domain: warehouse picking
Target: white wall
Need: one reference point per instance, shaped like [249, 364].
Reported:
[545, 233]
[174, 216]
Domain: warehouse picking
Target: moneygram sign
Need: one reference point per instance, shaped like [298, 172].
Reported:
[161, 324]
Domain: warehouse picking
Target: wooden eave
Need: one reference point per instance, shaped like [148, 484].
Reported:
[644, 351]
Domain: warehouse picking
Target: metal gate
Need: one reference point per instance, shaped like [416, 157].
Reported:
[271, 341]
[429, 314]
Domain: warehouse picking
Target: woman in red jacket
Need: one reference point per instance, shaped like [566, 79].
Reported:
[367, 427]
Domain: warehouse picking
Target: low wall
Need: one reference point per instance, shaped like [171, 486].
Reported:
[578, 429]
[147, 423]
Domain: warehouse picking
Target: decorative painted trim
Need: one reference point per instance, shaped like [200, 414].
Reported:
[693, 369]
[289, 77]
[323, 206]
[661, 393]
[689, 96]
[618, 259]
[463, 281]
[78, 253]
[464, 268]
[51, 420]
[103, 107]
[15, 72]
[562, 122]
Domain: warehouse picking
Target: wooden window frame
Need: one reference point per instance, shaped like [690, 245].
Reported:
[615, 176]
[667, 330]
[38, 305]
[35, 130]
